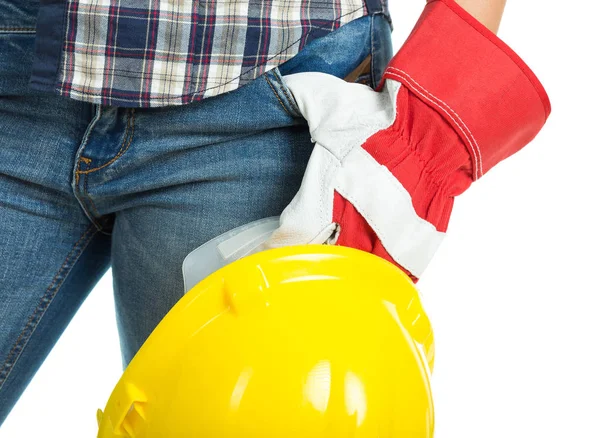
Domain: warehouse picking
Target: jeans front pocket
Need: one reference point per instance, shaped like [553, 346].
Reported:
[340, 53]
[358, 51]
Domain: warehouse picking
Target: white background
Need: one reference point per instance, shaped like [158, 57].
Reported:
[513, 292]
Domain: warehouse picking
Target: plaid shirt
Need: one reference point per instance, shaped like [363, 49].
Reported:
[151, 53]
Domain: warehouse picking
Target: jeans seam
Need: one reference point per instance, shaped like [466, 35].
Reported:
[17, 30]
[373, 72]
[284, 89]
[375, 79]
[278, 97]
[292, 106]
[44, 304]
[127, 140]
[86, 195]
[79, 157]
[91, 201]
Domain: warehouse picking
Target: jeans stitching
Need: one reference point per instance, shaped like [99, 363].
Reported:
[87, 195]
[376, 76]
[17, 29]
[128, 137]
[79, 157]
[42, 307]
[292, 106]
[284, 89]
[277, 96]
[373, 72]
[91, 217]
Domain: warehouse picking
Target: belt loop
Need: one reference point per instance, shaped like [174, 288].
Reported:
[374, 6]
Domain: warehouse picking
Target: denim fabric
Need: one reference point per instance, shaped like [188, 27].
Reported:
[86, 187]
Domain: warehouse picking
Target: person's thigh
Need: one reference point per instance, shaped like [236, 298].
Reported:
[191, 173]
[50, 253]
[207, 169]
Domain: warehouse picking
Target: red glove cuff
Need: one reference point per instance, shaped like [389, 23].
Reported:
[474, 81]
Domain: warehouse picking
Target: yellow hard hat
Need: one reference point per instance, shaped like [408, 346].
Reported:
[298, 342]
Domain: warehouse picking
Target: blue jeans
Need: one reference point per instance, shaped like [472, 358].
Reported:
[86, 187]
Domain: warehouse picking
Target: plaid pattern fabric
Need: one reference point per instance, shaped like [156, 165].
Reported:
[171, 52]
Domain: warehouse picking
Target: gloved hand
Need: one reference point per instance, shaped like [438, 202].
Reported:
[387, 164]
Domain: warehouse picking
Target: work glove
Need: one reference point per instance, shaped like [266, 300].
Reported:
[388, 163]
